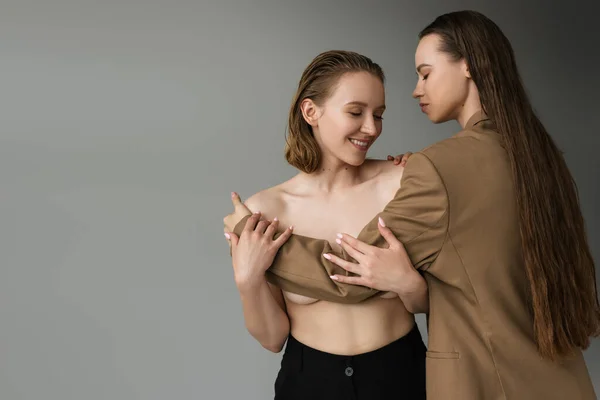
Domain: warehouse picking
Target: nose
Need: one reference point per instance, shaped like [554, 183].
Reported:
[369, 126]
[418, 92]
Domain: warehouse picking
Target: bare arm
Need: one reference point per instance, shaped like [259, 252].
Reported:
[265, 316]
[262, 304]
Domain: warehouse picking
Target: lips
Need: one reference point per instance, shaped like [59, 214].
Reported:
[423, 106]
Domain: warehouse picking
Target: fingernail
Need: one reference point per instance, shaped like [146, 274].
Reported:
[335, 278]
[257, 212]
[275, 219]
[338, 241]
[228, 236]
[340, 235]
[381, 222]
[291, 228]
[327, 256]
[232, 194]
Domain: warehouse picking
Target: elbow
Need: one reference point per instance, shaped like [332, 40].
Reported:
[273, 344]
[273, 347]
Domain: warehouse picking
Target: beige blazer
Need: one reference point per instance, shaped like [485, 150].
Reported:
[456, 214]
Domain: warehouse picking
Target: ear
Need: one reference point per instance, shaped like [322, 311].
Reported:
[310, 112]
[465, 69]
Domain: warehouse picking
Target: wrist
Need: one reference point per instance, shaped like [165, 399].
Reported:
[416, 296]
[411, 285]
[249, 285]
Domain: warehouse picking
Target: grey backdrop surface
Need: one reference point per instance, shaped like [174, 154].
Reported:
[125, 125]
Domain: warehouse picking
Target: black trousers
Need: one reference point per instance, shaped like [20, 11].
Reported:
[395, 371]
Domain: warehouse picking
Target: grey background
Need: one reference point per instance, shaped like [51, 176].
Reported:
[126, 124]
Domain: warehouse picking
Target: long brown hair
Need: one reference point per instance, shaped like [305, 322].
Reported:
[559, 264]
[317, 83]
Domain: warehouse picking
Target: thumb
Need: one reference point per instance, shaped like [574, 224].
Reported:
[235, 199]
[387, 234]
[238, 205]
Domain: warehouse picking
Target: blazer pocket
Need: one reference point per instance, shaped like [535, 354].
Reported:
[443, 375]
[442, 355]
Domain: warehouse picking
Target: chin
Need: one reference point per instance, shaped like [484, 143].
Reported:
[356, 162]
[436, 119]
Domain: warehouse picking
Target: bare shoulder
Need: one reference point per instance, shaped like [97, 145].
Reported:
[269, 202]
[383, 170]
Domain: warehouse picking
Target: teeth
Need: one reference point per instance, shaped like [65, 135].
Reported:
[359, 143]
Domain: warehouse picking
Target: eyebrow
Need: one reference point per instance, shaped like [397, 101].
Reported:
[422, 66]
[360, 103]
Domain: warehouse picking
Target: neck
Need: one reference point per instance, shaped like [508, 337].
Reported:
[332, 175]
[471, 106]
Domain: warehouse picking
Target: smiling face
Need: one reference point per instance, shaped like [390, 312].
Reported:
[444, 88]
[347, 124]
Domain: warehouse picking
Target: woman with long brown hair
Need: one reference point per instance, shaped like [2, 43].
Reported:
[491, 218]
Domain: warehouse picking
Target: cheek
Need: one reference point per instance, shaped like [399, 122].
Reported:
[335, 128]
[346, 125]
[448, 91]
[435, 87]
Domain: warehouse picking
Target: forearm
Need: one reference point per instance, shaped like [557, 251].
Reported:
[265, 318]
[417, 301]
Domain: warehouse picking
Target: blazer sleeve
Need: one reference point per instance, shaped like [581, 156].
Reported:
[418, 216]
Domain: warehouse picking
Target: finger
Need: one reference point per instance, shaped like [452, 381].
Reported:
[352, 252]
[262, 226]
[272, 228]
[251, 222]
[352, 280]
[405, 157]
[283, 237]
[348, 266]
[395, 159]
[388, 235]
[355, 243]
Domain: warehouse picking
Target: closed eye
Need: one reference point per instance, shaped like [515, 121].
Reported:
[377, 117]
